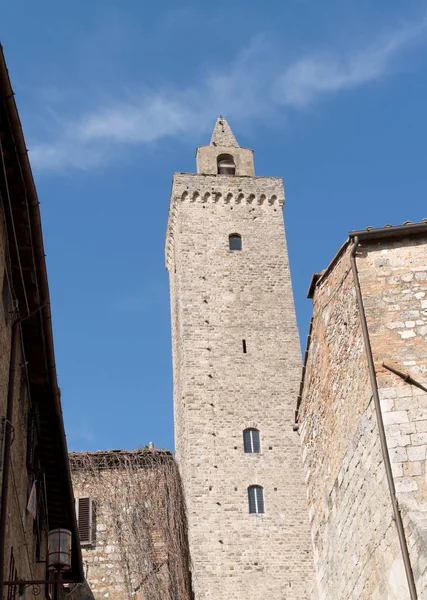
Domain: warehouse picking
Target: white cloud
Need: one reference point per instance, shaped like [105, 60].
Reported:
[303, 82]
[254, 84]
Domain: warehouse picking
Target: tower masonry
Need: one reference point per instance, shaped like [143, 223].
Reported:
[236, 365]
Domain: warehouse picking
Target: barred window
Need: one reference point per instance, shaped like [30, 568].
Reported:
[235, 241]
[251, 441]
[84, 519]
[256, 499]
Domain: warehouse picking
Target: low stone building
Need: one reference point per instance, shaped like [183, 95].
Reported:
[362, 415]
[132, 523]
[35, 484]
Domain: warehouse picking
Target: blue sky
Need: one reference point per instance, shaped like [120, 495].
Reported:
[115, 96]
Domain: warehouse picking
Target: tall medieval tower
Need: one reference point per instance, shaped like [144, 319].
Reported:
[236, 363]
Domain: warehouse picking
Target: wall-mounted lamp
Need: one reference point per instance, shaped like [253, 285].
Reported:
[58, 560]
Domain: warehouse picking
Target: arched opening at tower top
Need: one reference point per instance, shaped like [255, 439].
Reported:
[226, 165]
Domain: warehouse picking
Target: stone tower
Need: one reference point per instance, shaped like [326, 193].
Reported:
[236, 364]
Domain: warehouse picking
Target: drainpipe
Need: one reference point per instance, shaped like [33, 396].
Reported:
[383, 441]
[7, 447]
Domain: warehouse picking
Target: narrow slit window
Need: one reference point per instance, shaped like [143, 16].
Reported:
[244, 346]
[256, 499]
[251, 441]
[84, 519]
[235, 241]
[226, 165]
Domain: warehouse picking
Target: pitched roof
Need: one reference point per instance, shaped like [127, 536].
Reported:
[222, 134]
[370, 234]
[408, 228]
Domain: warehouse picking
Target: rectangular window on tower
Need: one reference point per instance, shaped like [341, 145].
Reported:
[84, 519]
[256, 499]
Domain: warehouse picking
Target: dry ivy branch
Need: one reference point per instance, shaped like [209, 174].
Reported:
[140, 495]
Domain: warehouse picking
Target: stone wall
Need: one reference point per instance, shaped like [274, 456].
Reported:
[218, 299]
[21, 545]
[357, 551]
[139, 547]
[394, 283]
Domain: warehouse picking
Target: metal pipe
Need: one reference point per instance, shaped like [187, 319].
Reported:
[7, 447]
[383, 440]
[406, 377]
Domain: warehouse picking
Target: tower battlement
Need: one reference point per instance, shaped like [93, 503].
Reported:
[222, 190]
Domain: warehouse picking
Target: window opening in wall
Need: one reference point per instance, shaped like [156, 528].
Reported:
[244, 346]
[33, 428]
[256, 499]
[225, 164]
[84, 519]
[235, 241]
[40, 522]
[251, 440]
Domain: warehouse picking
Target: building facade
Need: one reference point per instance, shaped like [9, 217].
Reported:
[362, 414]
[236, 365]
[132, 524]
[35, 484]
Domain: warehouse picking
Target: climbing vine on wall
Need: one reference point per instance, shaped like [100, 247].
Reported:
[140, 496]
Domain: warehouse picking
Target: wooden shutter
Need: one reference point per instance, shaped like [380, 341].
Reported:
[255, 440]
[256, 499]
[84, 519]
[247, 440]
[251, 497]
[251, 440]
[260, 499]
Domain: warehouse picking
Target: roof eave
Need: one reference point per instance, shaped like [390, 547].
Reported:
[395, 231]
[35, 224]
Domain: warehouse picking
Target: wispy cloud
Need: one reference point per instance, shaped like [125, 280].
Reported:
[303, 82]
[257, 82]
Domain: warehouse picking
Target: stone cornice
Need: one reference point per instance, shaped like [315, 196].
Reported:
[219, 189]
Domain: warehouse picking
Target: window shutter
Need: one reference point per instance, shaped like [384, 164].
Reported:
[256, 499]
[260, 499]
[252, 504]
[251, 440]
[247, 440]
[84, 519]
[255, 440]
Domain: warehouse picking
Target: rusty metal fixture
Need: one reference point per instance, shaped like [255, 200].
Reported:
[406, 377]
